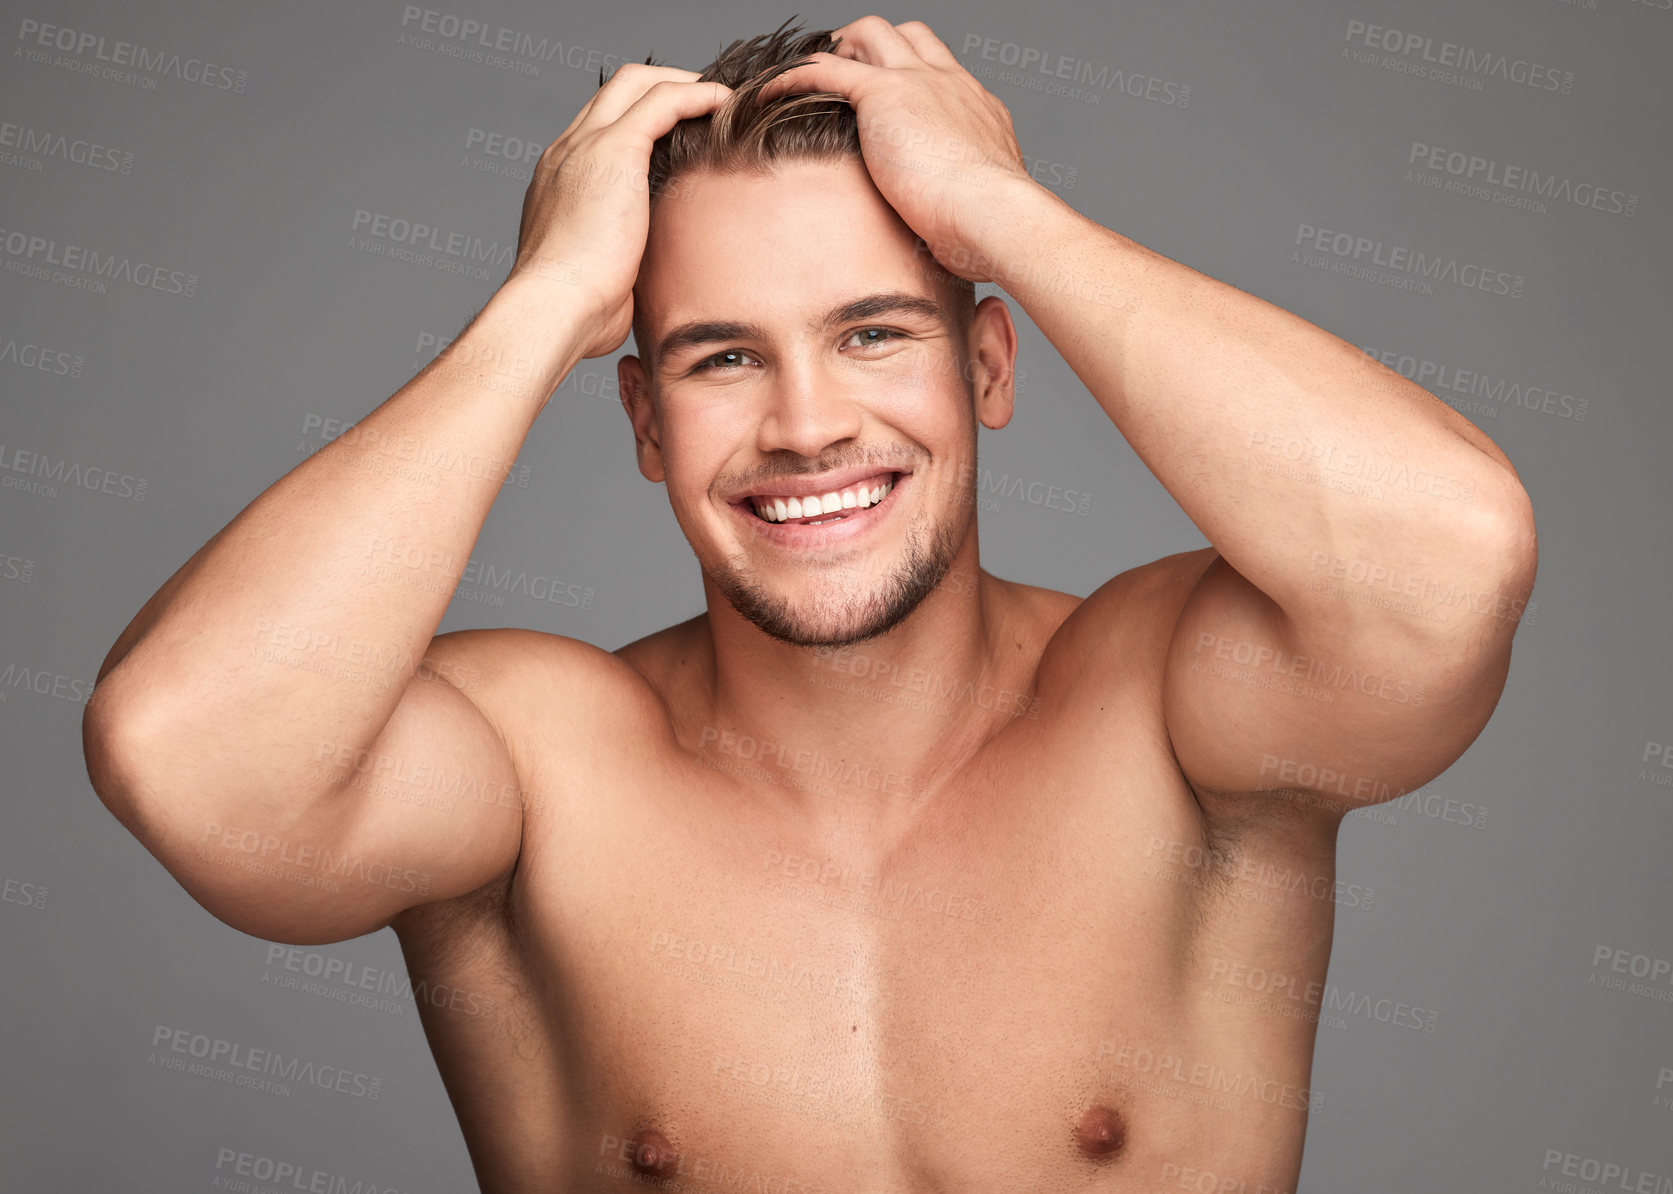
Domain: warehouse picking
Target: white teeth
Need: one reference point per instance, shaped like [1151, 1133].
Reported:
[778, 509]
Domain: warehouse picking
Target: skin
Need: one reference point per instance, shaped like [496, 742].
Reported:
[1006, 904]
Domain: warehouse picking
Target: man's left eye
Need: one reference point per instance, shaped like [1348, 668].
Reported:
[874, 336]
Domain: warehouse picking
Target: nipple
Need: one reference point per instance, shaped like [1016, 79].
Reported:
[654, 1155]
[1101, 1132]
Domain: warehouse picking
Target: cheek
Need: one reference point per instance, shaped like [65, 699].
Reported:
[926, 389]
[698, 439]
[931, 402]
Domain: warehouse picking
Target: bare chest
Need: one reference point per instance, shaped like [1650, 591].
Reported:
[1017, 995]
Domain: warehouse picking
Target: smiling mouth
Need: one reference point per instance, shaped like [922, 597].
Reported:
[817, 509]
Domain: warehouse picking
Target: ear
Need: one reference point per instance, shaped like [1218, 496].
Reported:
[634, 384]
[992, 352]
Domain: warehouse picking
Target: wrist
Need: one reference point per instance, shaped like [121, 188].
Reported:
[539, 328]
[1044, 252]
[1023, 226]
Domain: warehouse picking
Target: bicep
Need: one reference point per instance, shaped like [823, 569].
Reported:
[1359, 705]
[431, 809]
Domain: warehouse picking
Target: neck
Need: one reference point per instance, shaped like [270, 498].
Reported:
[867, 731]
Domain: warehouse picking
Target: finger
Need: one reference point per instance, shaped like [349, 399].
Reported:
[668, 102]
[823, 72]
[874, 41]
[627, 87]
[642, 85]
[928, 46]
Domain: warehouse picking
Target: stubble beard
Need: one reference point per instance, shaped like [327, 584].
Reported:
[846, 617]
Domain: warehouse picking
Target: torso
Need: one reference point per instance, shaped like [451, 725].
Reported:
[1043, 985]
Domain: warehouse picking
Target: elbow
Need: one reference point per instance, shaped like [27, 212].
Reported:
[113, 747]
[1511, 545]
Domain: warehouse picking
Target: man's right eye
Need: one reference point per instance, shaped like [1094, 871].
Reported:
[722, 361]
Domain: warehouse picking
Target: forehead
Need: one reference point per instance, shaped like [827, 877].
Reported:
[775, 249]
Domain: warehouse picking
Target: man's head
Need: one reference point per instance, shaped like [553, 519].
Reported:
[790, 327]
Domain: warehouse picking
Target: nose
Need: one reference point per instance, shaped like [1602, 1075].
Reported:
[809, 411]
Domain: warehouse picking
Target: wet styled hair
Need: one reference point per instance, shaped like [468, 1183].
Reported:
[747, 133]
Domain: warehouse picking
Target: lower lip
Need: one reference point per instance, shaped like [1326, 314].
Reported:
[802, 535]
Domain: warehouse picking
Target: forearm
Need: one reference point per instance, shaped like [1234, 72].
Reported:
[303, 619]
[1282, 442]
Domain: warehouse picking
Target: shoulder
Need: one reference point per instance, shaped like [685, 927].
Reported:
[1122, 630]
[533, 686]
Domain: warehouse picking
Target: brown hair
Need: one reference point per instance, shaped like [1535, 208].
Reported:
[747, 133]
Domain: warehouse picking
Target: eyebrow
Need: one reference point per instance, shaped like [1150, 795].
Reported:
[871, 306]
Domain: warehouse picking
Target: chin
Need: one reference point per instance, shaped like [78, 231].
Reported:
[828, 613]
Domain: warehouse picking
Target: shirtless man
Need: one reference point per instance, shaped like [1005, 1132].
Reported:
[882, 874]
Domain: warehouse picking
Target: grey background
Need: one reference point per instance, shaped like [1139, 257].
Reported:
[208, 399]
